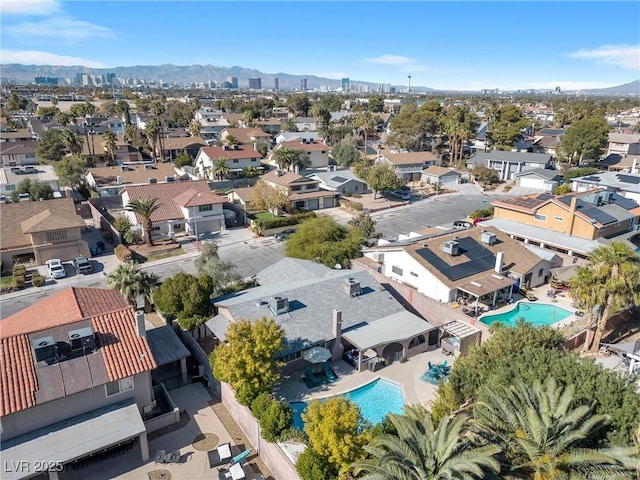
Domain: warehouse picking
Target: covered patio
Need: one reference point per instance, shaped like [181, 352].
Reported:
[490, 290]
[400, 335]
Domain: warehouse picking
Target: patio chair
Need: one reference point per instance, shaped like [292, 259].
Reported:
[310, 375]
[220, 456]
[329, 372]
[172, 457]
[160, 454]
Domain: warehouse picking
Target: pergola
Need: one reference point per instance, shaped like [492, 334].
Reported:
[488, 287]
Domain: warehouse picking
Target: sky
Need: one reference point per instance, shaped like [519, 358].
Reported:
[444, 45]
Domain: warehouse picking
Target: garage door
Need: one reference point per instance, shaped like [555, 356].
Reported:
[209, 226]
[449, 180]
[530, 182]
[328, 202]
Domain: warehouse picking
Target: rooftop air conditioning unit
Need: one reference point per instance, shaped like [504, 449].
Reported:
[168, 179]
[44, 349]
[119, 180]
[124, 168]
[279, 305]
[451, 248]
[148, 167]
[352, 287]
[488, 238]
[82, 339]
[152, 180]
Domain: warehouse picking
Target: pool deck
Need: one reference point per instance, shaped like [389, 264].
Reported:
[407, 375]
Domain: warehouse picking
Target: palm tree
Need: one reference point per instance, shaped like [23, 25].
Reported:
[230, 140]
[195, 128]
[145, 208]
[541, 433]
[587, 294]
[289, 125]
[220, 168]
[287, 157]
[152, 132]
[321, 115]
[616, 273]
[109, 141]
[250, 172]
[420, 451]
[72, 141]
[365, 122]
[132, 282]
[63, 118]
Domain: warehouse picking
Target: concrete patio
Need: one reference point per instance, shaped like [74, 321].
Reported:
[198, 418]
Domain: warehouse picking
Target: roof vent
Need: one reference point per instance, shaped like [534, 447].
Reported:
[44, 349]
[119, 180]
[125, 168]
[488, 238]
[451, 248]
[279, 173]
[148, 166]
[82, 339]
[152, 180]
[279, 305]
[352, 287]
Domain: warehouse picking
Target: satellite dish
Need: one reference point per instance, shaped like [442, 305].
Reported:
[338, 266]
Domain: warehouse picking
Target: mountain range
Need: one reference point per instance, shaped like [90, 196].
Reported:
[184, 75]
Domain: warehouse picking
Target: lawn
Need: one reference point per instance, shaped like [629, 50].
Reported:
[159, 256]
[6, 281]
[263, 215]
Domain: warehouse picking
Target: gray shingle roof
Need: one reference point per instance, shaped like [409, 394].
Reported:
[541, 172]
[165, 345]
[516, 157]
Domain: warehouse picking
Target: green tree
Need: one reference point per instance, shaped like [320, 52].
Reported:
[365, 122]
[183, 160]
[51, 146]
[264, 197]
[376, 103]
[220, 169]
[346, 152]
[122, 107]
[72, 141]
[250, 172]
[63, 118]
[298, 104]
[586, 139]
[413, 125]
[335, 432]
[420, 450]
[230, 140]
[587, 294]
[361, 167]
[195, 128]
[47, 112]
[132, 283]
[144, 209]
[616, 274]
[366, 225]
[37, 190]
[287, 157]
[71, 171]
[289, 125]
[16, 103]
[323, 240]
[313, 466]
[321, 115]
[262, 147]
[382, 177]
[275, 417]
[506, 126]
[186, 298]
[81, 110]
[109, 142]
[122, 224]
[542, 434]
[485, 175]
[152, 131]
[247, 360]
[223, 274]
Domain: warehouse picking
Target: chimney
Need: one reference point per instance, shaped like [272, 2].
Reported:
[499, 262]
[573, 206]
[255, 146]
[140, 328]
[337, 349]
[634, 167]
[337, 323]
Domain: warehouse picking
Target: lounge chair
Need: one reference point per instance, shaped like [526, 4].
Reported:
[172, 457]
[220, 456]
[237, 472]
[315, 380]
[329, 372]
[160, 454]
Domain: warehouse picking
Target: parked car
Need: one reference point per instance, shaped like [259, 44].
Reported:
[55, 268]
[82, 265]
[282, 236]
[463, 223]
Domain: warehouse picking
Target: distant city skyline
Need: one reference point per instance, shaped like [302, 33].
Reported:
[441, 45]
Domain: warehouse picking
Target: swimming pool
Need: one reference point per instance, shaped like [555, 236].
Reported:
[375, 399]
[538, 314]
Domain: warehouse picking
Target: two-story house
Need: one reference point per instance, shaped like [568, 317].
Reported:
[624, 144]
[237, 157]
[248, 136]
[39, 231]
[298, 137]
[573, 224]
[626, 184]
[94, 147]
[303, 193]
[212, 122]
[509, 164]
[19, 153]
[187, 207]
[317, 152]
[173, 146]
[11, 135]
[546, 140]
[11, 177]
[269, 125]
[76, 380]
[407, 165]
[108, 181]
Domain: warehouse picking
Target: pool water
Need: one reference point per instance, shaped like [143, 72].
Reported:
[539, 314]
[376, 400]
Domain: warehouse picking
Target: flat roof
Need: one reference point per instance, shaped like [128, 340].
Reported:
[72, 438]
[392, 328]
[488, 284]
[165, 345]
[459, 329]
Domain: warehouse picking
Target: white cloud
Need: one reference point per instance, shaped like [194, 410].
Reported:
[31, 57]
[625, 56]
[389, 59]
[59, 28]
[335, 75]
[29, 7]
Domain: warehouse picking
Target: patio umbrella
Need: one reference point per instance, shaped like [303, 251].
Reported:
[316, 355]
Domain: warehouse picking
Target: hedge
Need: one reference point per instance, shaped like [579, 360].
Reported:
[262, 224]
[123, 253]
[350, 204]
[38, 280]
[19, 270]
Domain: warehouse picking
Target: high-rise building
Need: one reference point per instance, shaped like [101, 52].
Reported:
[255, 83]
[46, 81]
[86, 79]
[345, 84]
[303, 84]
[276, 84]
[233, 81]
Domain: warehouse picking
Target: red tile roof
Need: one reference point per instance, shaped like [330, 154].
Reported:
[243, 151]
[123, 352]
[169, 193]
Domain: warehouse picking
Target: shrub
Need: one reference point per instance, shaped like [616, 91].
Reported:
[482, 213]
[123, 253]
[312, 466]
[274, 417]
[19, 281]
[263, 224]
[38, 280]
[19, 271]
[260, 405]
[350, 204]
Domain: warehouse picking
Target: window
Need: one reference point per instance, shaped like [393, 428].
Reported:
[254, 160]
[397, 270]
[155, 229]
[119, 386]
[235, 160]
[296, 188]
[30, 155]
[540, 217]
[540, 272]
[10, 188]
[205, 208]
[291, 357]
[413, 274]
[56, 235]
[415, 341]
[559, 219]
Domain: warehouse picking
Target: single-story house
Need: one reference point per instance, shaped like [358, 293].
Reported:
[444, 176]
[343, 181]
[247, 136]
[620, 163]
[11, 177]
[624, 143]
[542, 179]
[110, 180]
[19, 153]
[625, 184]
[10, 135]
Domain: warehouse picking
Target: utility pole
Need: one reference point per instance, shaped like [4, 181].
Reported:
[409, 87]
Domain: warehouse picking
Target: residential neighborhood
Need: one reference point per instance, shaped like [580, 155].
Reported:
[215, 272]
